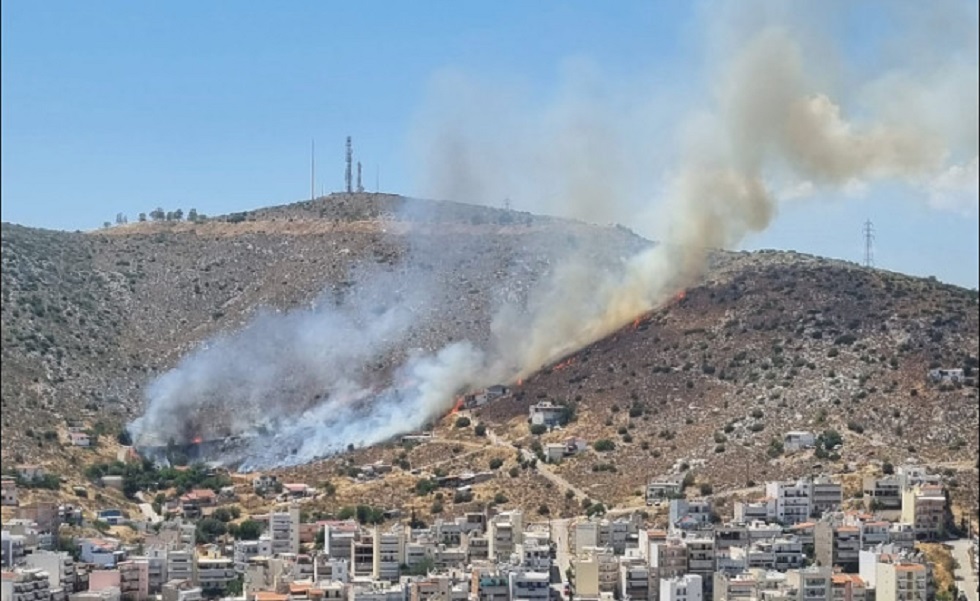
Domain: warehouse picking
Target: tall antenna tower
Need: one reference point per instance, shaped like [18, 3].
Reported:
[869, 242]
[350, 158]
[313, 169]
[360, 188]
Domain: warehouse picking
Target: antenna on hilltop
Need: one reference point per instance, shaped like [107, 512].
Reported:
[360, 188]
[869, 241]
[348, 174]
[313, 169]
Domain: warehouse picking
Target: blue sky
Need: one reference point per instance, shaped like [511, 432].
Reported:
[121, 107]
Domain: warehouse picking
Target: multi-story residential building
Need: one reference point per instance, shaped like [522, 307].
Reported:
[751, 585]
[362, 556]
[59, 565]
[488, 584]
[477, 547]
[804, 531]
[29, 584]
[792, 499]
[134, 579]
[12, 548]
[596, 572]
[692, 514]
[730, 535]
[837, 545]
[244, 550]
[902, 536]
[534, 555]
[763, 510]
[663, 488]
[701, 559]
[762, 531]
[214, 573]
[911, 476]
[546, 413]
[901, 582]
[262, 574]
[884, 494]
[689, 587]
[439, 588]
[388, 554]
[326, 569]
[156, 558]
[504, 533]
[181, 590]
[284, 530]
[812, 584]
[825, 495]
[926, 508]
[615, 534]
[529, 585]
[181, 564]
[874, 533]
[338, 537]
[635, 581]
[668, 559]
[848, 587]
[103, 552]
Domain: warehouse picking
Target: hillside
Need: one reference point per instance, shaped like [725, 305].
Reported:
[89, 319]
[765, 343]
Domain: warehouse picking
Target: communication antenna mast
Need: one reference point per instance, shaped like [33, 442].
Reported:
[360, 188]
[869, 241]
[350, 158]
[313, 169]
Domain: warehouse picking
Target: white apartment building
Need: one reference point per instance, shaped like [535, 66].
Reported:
[534, 555]
[690, 514]
[505, 532]
[812, 584]
[284, 530]
[688, 587]
[793, 501]
[901, 582]
[529, 585]
[746, 512]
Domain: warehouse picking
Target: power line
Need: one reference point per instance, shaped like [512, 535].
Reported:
[869, 241]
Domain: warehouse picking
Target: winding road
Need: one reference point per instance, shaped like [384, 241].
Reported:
[966, 578]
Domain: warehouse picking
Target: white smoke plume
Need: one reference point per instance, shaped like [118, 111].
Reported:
[779, 112]
[769, 118]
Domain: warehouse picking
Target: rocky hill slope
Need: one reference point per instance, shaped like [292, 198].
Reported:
[88, 320]
[707, 387]
[765, 343]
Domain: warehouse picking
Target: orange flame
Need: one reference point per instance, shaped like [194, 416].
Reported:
[564, 364]
[520, 381]
[460, 401]
[680, 296]
[197, 440]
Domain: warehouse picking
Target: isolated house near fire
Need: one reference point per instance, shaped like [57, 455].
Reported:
[546, 413]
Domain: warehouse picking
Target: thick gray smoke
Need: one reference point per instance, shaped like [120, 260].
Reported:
[773, 116]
